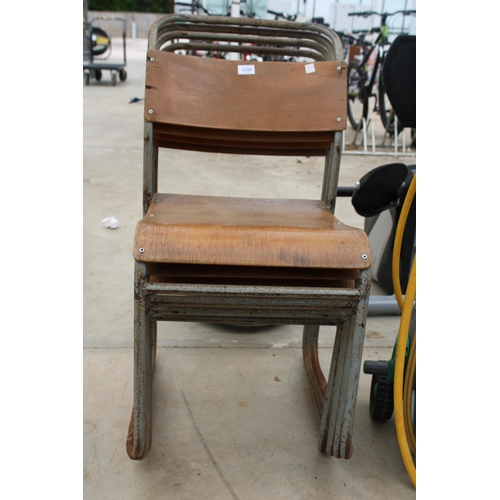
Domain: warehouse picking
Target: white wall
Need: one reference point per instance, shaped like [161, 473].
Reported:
[284, 6]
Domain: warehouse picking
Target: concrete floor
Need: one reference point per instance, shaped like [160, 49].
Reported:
[232, 414]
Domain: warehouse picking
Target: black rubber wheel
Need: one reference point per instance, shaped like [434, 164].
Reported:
[381, 398]
[387, 114]
[357, 98]
[98, 75]
[123, 75]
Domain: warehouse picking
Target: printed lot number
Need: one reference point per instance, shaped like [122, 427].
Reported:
[246, 69]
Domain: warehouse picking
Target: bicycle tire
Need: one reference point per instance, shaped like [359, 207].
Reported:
[387, 114]
[357, 100]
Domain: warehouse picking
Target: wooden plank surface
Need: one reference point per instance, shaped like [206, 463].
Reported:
[206, 92]
[251, 275]
[252, 141]
[207, 271]
[240, 149]
[167, 130]
[248, 232]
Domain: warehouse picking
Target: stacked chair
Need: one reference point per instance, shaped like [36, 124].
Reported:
[249, 260]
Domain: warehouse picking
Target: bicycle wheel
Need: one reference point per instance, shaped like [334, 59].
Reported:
[387, 114]
[357, 100]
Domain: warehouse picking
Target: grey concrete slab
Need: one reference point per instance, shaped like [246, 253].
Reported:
[224, 428]
[229, 423]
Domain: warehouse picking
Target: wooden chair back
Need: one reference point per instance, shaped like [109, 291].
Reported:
[211, 103]
[258, 107]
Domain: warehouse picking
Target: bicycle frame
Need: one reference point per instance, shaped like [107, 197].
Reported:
[378, 45]
[361, 81]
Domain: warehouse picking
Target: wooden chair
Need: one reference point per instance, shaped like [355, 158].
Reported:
[240, 260]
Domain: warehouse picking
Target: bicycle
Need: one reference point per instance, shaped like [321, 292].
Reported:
[361, 81]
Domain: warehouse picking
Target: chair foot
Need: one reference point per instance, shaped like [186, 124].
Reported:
[131, 440]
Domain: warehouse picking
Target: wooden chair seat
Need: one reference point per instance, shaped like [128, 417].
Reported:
[247, 232]
[252, 275]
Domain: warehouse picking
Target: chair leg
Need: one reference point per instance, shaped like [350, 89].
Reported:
[333, 396]
[139, 435]
[334, 403]
[153, 343]
[337, 421]
[345, 420]
[315, 377]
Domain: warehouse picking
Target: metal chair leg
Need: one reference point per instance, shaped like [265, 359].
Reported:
[351, 381]
[333, 396]
[139, 436]
[336, 427]
[315, 377]
[339, 444]
[328, 399]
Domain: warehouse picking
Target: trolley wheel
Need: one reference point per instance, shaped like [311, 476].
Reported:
[98, 75]
[86, 76]
[113, 79]
[123, 75]
[381, 398]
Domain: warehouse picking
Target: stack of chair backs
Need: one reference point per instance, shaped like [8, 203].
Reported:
[299, 106]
